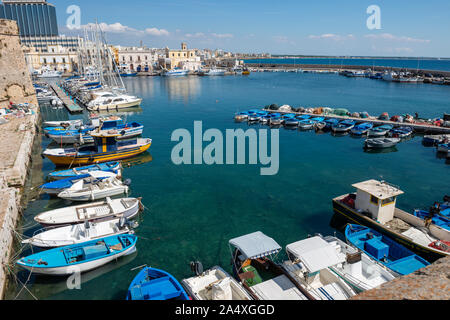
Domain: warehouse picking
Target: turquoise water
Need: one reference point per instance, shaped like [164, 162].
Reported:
[193, 210]
[427, 64]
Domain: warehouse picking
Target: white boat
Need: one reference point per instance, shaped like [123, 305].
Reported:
[113, 103]
[309, 264]
[215, 284]
[64, 123]
[175, 72]
[359, 270]
[99, 189]
[380, 143]
[96, 211]
[389, 76]
[215, 72]
[78, 233]
[49, 73]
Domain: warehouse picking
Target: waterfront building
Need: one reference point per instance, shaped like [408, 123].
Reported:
[135, 58]
[56, 58]
[183, 58]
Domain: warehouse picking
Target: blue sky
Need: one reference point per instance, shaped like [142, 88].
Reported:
[325, 27]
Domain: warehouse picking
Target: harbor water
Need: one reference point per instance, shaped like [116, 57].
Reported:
[193, 210]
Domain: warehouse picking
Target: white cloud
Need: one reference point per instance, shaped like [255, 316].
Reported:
[222, 35]
[120, 28]
[195, 35]
[391, 37]
[332, 36]
[156, 32]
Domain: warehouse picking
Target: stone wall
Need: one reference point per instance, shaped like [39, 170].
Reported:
[15, 79]
[430, 283]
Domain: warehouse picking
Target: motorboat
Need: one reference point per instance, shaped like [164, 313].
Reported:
[215, 72]
[175, 72]
[95, 211]
[358, 270]
[309, 264]
[58, 186]
[63, 123]
[262, 278]
[106, 148]
[78, 233]
[374, 205]
[343, 126]
[98, 189]
[119, 102]
[113, 167]
[381, 143]
[79, 257]
[400, 132]
[46, 72]
[215, 284]
[155, 284]
[361, 129]
[383, 249]
[380, 131]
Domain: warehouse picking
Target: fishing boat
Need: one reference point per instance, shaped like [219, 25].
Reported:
[381, 143]
[95, 211]
[380, 131]
[175, 72]
[343, 126]
[443, 147]
[79, 257]
[113, 167]
[400, 132]
[78, 233]
[215, 284]
[58, 186]
[266, 118]
[361, 129]
[305, 124]
[358, 270]
[253, 266]
[64, 123]
[309, 263]
[215, 72]
[317, 119]
[106, 148]
[291, 122]
[383, 249]
[439, 220]
[276, 120]
[119, 102]
[126, 130]
[46, 72]
[98, 189]
[374, 206]
[241, 116]
[155, 284]
[435, 139]
[330, 122]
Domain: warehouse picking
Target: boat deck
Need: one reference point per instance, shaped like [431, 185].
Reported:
[72, 106]
[417, 127]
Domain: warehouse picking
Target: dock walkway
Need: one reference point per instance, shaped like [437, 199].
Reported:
[72, 106]
[424, 128]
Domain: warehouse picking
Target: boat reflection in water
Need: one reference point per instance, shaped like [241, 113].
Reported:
[50, 285]
[130, 111]
[385, 150]
[137, 160]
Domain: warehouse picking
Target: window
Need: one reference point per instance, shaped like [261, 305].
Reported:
[64, 60]
[374, 200]
[387, 201]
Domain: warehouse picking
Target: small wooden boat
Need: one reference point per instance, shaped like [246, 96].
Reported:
[309, 263]
[113, 166]
[155, 284]
[58, 186]
[78, 233]
[361, 128]
[96, 211]
[241, 116]
[400, 132]
[254, 267]
[305, 124]
[435, 139]
[381, 143]
[343, 126]
[98, 189]
[291, 122]
[330, 122]
[358, 270]
[320, 125]
[383, 249]
[380, 130]
[63, 123]
[443, 147]
[79, 257]
[317, 119]
[106, 148]
[215, 284]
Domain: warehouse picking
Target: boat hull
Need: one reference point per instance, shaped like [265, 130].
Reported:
[348, 213]
[114, 106]
[98, 195]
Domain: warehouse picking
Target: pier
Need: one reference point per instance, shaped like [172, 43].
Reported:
[417, 127]
[71, 105]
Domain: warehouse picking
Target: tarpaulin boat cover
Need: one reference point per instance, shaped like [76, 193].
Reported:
[255, 245]
[315, 253]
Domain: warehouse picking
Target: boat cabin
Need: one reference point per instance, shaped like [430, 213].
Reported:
[378, 198]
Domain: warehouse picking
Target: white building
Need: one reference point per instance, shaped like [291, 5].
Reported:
[136, 58]
[55, 57]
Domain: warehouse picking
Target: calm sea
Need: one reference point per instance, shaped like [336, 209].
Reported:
[427, 64]
[193, 210]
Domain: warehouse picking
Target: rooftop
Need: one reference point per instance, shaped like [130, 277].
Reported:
[380, 189]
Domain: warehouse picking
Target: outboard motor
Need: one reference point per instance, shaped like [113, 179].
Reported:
[196, 267]
[127, 182]
[122, 222]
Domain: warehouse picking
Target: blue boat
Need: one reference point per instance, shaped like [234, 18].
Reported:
[400, 132]
[155, 284]
[317, 119]
[303, 117]
[112, 166]
[288, 116]
[330, 122]
[441, 220]
[79, 257]
[383, 249]
[305, 124]
[343, 126]
[292, 121]
[361, 129]
[380, 130]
